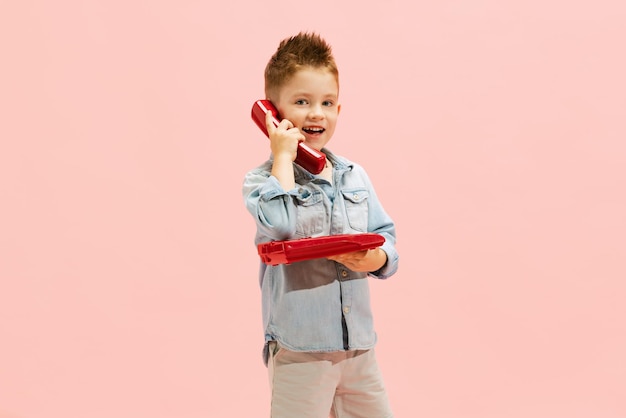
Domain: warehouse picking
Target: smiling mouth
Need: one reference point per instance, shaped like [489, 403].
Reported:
[313, 130]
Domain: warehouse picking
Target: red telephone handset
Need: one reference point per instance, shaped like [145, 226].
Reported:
[310, 159]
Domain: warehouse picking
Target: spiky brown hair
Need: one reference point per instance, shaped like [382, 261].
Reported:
[294, 53]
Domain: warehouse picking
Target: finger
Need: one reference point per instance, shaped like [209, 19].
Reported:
[297, 133]
[270, 122]
[286, 123]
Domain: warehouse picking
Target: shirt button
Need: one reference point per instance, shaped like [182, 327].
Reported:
[344, 273]
[356, 196]
[346, 309]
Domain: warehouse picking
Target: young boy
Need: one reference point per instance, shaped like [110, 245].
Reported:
[316, 313]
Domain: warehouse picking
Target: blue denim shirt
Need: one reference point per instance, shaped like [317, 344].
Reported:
[318, 305]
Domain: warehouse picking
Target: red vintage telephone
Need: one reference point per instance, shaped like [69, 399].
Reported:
[291, 251]
[308, 158]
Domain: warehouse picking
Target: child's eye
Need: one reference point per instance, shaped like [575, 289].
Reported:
[301, 102]
[327, 103]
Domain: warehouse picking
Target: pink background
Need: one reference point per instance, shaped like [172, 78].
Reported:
[493, 130]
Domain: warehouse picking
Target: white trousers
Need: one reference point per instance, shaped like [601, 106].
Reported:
[343, 384]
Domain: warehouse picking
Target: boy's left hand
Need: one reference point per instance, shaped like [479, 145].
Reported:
[364, 261]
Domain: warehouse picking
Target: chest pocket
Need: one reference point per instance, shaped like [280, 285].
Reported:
[356, 208]
[311, 213]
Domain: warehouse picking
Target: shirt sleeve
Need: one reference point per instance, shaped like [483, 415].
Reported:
[272, 207]
[380, 222]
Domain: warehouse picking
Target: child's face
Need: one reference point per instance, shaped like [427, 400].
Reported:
[309, 101]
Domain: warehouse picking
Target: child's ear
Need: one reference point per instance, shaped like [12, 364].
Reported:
[338, 108]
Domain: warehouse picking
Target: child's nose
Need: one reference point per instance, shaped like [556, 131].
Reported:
[316, 112]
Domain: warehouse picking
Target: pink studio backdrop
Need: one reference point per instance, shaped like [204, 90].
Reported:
[494, 132]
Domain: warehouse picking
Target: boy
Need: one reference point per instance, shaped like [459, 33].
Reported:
[316, 313]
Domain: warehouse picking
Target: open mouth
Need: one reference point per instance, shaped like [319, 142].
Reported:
[313, 130]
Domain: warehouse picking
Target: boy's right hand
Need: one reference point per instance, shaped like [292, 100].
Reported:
[284, 138]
